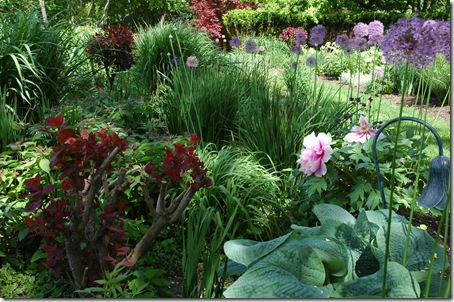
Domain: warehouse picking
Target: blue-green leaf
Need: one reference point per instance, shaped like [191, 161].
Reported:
[246, 251]
[326, 212]
[294, 270]
[399, 284]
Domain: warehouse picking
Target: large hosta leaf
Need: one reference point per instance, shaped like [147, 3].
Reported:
[294, 270]
[328, 211]
[346, 235]
[419, 248]
[399, 284]
[245, 251]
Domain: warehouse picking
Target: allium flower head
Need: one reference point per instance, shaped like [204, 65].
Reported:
[361, 30]
[362, 133]
[316, 154]
[376, 30]
[439, 31]
[250, 45]
[300, 38]
[377, 72]
[311, 61]
[343, 41]
[318, 34]
[407, 41]
[261, 48]
[235, 42]
[358, 43]
[192, 61]
[296, 49]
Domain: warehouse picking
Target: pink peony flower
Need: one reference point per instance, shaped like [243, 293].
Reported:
[318, 151]
[362, 133]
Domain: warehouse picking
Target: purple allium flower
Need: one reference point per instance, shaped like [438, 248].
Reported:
[362, 133]
[311, 61]
[315, 155]
[318, 34]
[300, 38]
[235, 42]
[347, 116]
[377, 72]
[343, 41]
[361, 29]
[192, 61]
[250, 45]
[294, 65]
[439, 31]
[261, 48]
[359, 43]
[375, 29]
[296, 49]
[406, 41]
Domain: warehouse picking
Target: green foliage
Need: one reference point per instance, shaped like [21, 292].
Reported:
[202, 244]
[31, 281]
[245, 189]
[36, 62]
[126, 284]
[203, 101]
[342, 258]
[334, 61]
[351, 180]
[160, 46]
[18, 162]
[276, 118]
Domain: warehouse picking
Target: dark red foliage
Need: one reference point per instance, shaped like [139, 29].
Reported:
[78, 158]
[113, 47]
[209, 14]
[288, 34]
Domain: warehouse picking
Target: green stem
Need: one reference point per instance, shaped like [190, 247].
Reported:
[390, 207]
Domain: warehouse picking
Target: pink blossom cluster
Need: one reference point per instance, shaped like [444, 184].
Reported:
[318, 150]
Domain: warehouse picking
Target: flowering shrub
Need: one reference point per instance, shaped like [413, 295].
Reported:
[347, 177]
[292, 34]
[81, 219]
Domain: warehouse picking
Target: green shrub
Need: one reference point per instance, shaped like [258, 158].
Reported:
[160, 46]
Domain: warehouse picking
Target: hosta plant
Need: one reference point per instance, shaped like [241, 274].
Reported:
[343, 257]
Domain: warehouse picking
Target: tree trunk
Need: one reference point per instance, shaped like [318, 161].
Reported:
[43, 11]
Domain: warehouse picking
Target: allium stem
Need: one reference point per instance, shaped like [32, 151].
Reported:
[390, 207]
